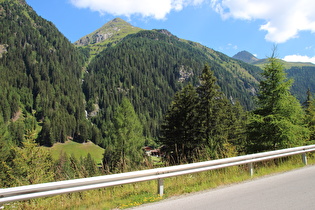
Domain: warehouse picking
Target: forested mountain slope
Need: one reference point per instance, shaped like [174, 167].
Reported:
[40, 78]
[304, 80]
[149, 67]
[302, 73]
[44, 77]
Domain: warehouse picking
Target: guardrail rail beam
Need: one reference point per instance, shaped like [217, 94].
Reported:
[76, 185]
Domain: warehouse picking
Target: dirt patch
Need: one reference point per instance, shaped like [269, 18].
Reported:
[16, 116]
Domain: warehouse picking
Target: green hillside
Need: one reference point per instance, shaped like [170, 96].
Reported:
[149, 67]
[40, 77]
[304, 79]
[303, 74]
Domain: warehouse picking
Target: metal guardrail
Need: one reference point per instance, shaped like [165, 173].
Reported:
[76, 185]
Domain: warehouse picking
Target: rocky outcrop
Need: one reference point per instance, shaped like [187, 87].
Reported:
[185, 74]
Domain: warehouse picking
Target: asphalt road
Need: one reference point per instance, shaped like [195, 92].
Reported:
[289, 190]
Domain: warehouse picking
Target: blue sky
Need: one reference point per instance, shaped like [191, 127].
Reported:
[228, 26]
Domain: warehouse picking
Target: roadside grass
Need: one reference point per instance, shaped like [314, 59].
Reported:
[157, 161]
[126, 196]
[77, 150]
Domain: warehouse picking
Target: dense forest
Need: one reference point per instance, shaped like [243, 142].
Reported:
[148, 88]
[40, 94]
[149, 67]
[303, 79]
[40, 77]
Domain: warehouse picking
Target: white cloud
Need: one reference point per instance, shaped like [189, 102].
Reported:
[299, 58]
[157, 9]
[284, 18]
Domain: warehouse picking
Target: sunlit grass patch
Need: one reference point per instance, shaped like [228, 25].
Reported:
[77, 150]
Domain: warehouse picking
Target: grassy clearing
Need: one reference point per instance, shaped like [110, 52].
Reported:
[78, 150]
[157, 161]
[126, 196]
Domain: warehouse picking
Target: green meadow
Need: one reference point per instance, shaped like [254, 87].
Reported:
[77, 150]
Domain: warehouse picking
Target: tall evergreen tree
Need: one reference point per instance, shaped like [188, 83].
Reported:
[179, 128]
[125, 140]
[309, 99]
[201, 123]
[278, 121]
[212, 118]
[6, 156]
[237, 128]
[309, 106]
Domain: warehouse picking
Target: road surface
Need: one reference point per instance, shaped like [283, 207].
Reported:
[290, 190]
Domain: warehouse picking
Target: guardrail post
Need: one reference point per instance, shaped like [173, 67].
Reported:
[251, 169]
[160, 187]
[304, 158]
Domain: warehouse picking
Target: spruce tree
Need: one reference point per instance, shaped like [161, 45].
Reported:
[6, 156]
[212, 115]
[309, 106]
[179, 128]
[201, 123]
[90, 166]
[237, 128]
[278, 122]
[123, 151]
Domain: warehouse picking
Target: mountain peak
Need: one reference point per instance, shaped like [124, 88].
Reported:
[114, 29]
[115, 24]
[246, 57]
[118, 20]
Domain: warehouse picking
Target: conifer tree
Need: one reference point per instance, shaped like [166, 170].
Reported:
[278, 122]
[309, 106]
[201, 123]
[309, 99]
[179, 128]
[62, 168]
[125, 140]
[212, 118]
[237, 128]
[6, 156]
[89, 165]
[31, 164]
